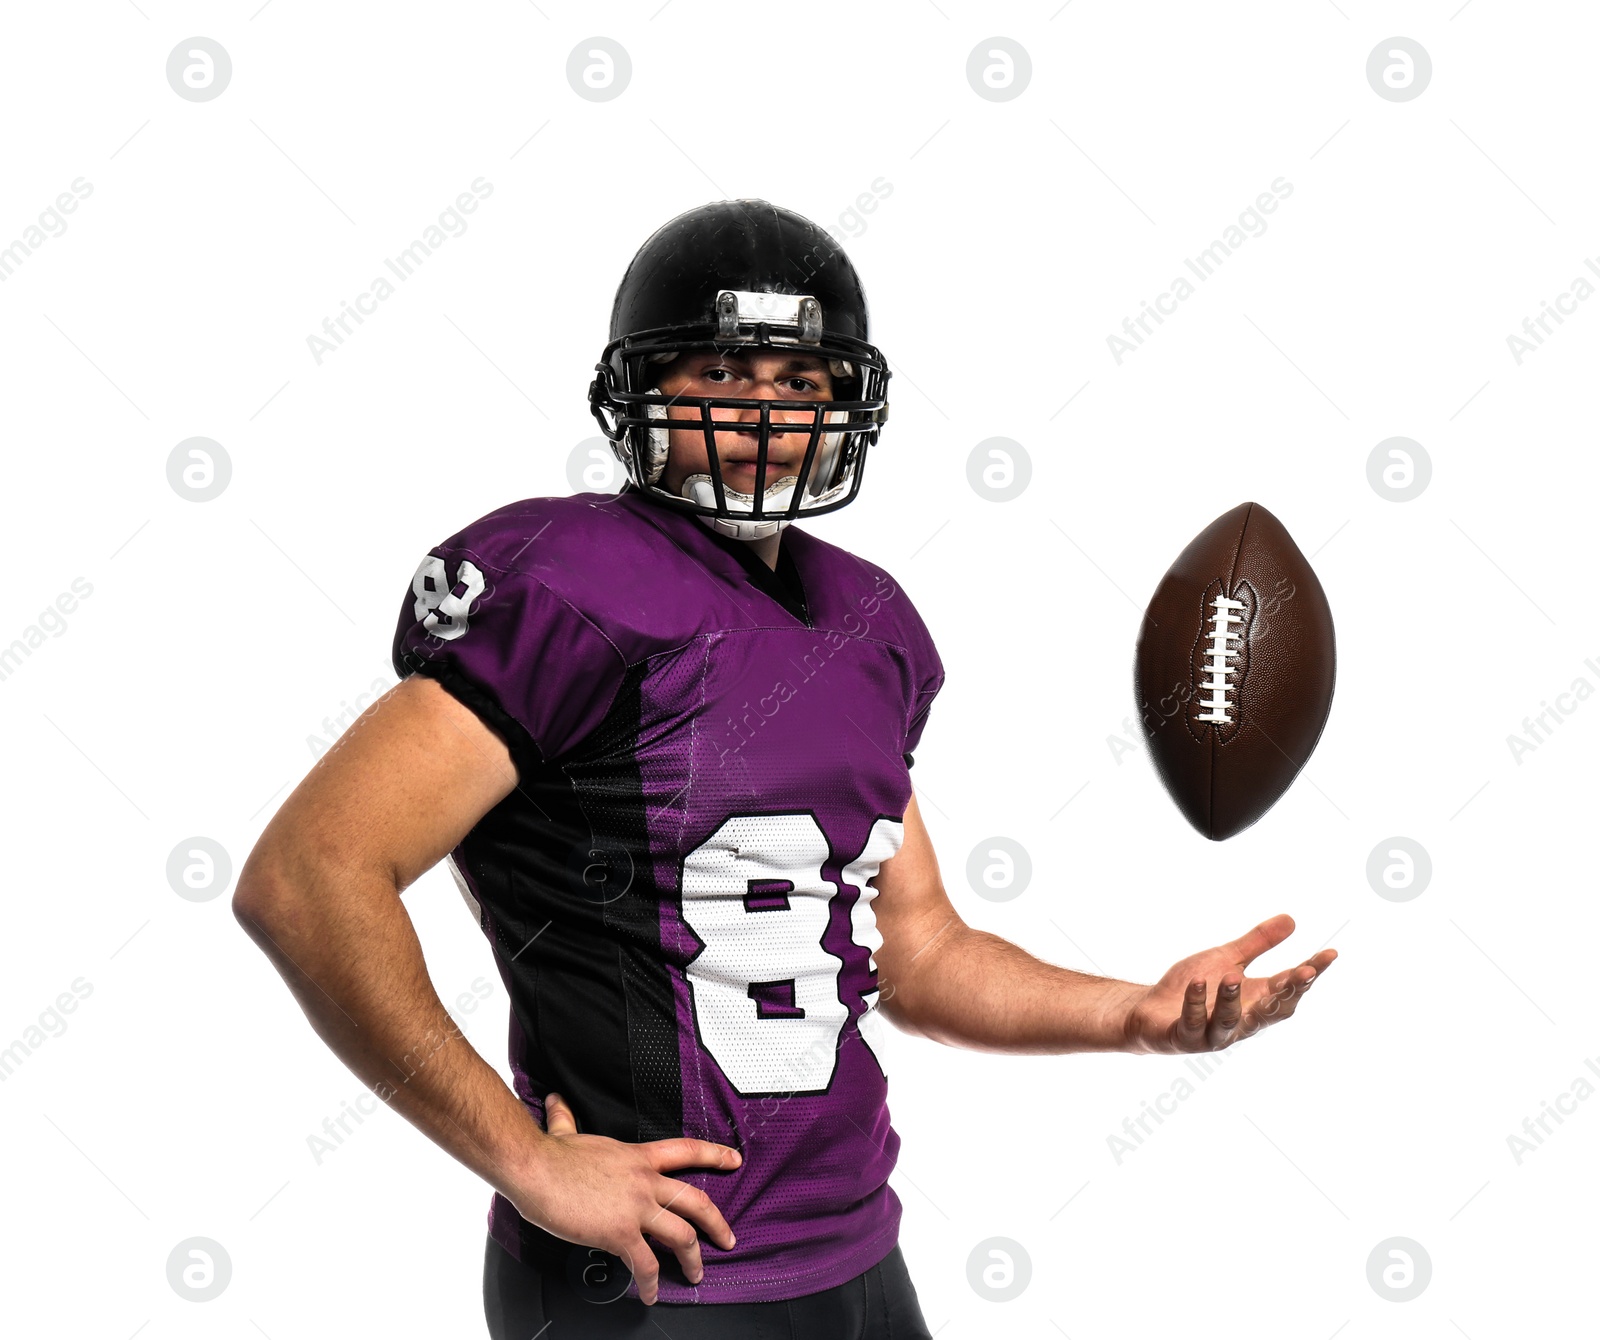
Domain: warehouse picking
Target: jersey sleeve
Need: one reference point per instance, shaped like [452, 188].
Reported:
[930, 671]
[533, 667]
[919, 719]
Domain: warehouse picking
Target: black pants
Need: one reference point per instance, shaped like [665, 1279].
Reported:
[521, 1301]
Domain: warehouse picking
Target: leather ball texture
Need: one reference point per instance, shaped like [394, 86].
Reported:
[1234, 669]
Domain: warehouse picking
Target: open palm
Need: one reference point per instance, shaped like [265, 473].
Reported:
[1205, 1002]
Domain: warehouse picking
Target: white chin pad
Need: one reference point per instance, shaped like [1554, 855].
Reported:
[698, 489]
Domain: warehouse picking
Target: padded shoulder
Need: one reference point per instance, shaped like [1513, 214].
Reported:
[587, 551]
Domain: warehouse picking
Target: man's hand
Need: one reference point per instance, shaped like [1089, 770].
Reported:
[608, 1194]
[1173, 1015]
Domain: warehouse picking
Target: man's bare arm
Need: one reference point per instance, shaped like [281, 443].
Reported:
[320, 894]
[941, 979]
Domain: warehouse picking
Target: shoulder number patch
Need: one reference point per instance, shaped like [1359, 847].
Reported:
[441, 611]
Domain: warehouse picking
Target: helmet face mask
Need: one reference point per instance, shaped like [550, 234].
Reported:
[727, 279]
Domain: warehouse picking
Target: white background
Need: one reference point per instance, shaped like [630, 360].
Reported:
[183, 695]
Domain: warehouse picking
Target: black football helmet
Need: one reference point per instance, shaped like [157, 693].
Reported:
[730, 276]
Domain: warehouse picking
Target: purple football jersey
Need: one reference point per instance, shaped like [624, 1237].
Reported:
[713, 761]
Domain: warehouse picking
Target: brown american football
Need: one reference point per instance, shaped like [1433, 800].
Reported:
[1233, 673]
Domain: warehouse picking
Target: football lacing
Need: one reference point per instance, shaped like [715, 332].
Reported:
[1225, 640]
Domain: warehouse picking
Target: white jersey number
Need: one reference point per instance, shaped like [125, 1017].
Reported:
[766, 993]
[443, 613]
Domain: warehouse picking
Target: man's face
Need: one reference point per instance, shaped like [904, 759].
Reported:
[794, 378]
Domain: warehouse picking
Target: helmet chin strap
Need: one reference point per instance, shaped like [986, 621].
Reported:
[697, 489]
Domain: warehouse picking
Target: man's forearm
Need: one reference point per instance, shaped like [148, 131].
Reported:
[353, 962]
[968, 988]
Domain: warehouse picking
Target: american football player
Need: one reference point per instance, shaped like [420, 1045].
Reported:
[663, 738]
